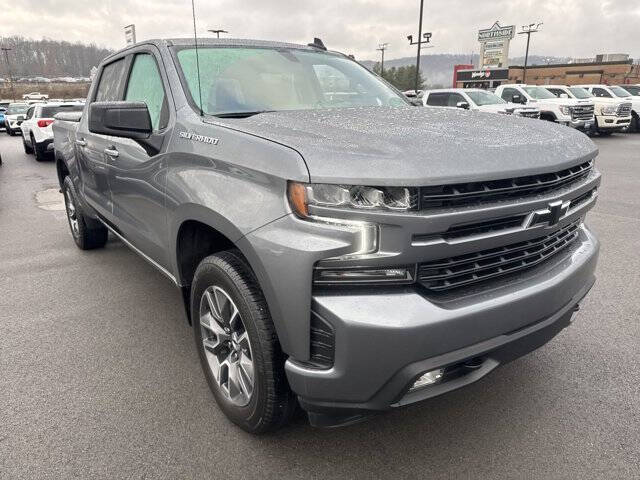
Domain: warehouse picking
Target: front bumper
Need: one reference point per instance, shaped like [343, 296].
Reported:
[384, 340]
[576, 123]
[612, 122]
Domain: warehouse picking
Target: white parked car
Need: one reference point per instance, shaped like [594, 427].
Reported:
[476, 99]
[619, 93]
[612, 114]
[37, 136]
[566, 111]
[14, 116]
[35, 96]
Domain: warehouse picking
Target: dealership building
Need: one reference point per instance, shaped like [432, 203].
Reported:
[615, 72]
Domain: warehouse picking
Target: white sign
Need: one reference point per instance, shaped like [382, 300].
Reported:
[130, 34]
[494, 45]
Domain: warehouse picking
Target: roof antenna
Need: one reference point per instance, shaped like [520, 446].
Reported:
[195, 37]
[317, 43]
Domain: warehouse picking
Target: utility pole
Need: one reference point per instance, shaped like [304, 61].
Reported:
[422, 38]
[381, 48]
[528, 30]
[217, 32]
[6, 57]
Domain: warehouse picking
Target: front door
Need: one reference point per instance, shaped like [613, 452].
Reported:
[136, 178]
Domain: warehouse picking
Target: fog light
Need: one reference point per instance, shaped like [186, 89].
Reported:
[429, 378]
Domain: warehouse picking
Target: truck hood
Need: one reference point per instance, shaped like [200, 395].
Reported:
[561, 101]
[414, 146]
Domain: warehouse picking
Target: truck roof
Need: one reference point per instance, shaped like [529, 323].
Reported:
[222, 42]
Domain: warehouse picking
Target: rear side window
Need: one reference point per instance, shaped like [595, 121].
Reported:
[600, 92]
[111, 82]
[556, 91]
[145, 85]
[438, 99]
[49, 112]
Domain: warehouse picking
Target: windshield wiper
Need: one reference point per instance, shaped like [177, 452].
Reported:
[241, 114]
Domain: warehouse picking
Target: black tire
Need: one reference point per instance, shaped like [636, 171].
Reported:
[86, 238]
[10, 132]
[37, 150]
[634, 126]
[27, 148]
[271, 403]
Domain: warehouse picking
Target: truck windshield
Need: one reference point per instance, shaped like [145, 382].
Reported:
[481, 98]
[252, 80]
[619, 92]
[539, 93]
[580, 93]
[16, 109]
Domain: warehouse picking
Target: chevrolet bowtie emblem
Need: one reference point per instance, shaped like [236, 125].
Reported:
[550, 216]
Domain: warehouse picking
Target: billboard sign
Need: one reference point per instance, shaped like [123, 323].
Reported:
[494, 45]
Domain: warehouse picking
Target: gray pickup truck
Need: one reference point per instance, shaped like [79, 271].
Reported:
[337, 247]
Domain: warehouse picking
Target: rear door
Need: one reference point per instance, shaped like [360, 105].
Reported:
[91, 147]
[136, 176]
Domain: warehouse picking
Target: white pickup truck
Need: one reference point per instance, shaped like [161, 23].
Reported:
[619, 93]
[476, 99]
[566, 111]
[612, 114]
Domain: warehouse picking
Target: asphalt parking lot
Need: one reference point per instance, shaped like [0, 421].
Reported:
[99, 377]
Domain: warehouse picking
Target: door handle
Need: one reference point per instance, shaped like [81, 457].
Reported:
[112, 152]
[81, 142]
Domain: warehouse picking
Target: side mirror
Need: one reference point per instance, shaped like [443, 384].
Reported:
[518, 99]
[564, 95]
[464, 105]
[120, 119]
[416, 102]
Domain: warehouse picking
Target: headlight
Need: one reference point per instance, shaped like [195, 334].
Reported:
[303, 195]
[609, 110]
[565, 109]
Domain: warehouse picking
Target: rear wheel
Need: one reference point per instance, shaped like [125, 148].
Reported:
[86, 238]
[635, 124]
[237, 343]
[37, 150]
[28, 149]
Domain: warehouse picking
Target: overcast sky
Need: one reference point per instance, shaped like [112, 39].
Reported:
[578, 28]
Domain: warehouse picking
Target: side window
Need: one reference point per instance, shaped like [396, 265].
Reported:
[556, 91]
[454, 98]
[438, 99]
[600, 92]
[145, 85]
[111, 80]
[508, 93]
[30, 113]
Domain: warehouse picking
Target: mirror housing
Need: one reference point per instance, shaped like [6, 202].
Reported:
[564, 95]
[120, 119]
[463, 105]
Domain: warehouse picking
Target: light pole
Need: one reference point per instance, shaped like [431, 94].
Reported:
[6, 57]
[217, 32]
[422, 38]
[528, 30]
[381, 48]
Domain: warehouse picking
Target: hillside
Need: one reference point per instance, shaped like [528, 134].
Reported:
[438, 69]
[49, 58]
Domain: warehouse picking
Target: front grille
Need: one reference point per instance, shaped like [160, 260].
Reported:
[529, 114]
[462, 194]
[624, 110]
[582, 112]
[454, 272]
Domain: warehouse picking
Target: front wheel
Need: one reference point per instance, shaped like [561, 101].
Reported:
[238, 346]
[85, 238]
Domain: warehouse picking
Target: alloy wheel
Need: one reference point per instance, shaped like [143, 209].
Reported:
[227, 346]
[72, 213]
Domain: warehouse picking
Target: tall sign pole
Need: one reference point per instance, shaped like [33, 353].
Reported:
[422, 38]
[528, 30]
[382, 47]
